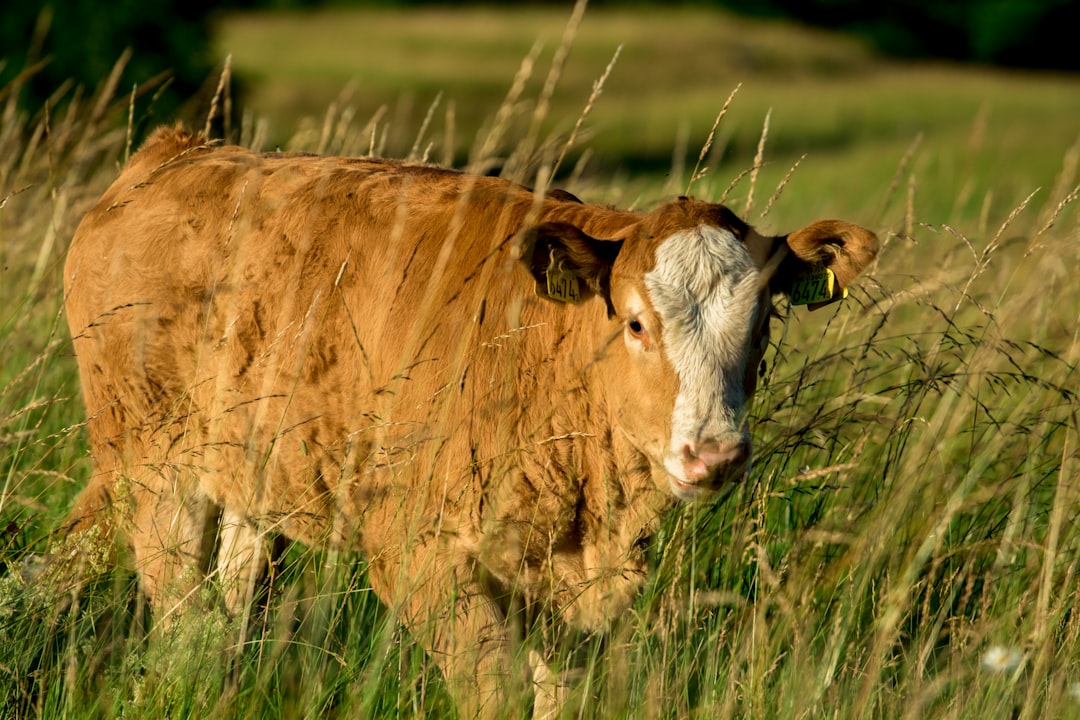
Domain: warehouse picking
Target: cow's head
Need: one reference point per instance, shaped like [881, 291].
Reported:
[691, 288]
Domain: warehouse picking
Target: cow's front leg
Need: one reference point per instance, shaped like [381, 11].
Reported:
[449, 611]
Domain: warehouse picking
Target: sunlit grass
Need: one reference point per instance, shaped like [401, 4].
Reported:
[906, 545]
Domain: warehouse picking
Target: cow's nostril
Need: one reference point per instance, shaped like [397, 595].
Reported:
[709, 459]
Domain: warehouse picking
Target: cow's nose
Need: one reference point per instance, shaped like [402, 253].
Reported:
[714, 461]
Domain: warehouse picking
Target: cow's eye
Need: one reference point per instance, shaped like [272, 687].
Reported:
[638, 332]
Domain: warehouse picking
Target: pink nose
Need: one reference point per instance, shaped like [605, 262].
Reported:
[710, 462]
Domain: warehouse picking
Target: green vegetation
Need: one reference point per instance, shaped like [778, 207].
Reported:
[913, 501]
[57, 50]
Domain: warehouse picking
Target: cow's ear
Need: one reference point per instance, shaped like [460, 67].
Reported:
[567, 265]
[824, 258]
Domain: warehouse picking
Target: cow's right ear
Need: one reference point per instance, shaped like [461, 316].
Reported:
[842, 249]
[567, 265]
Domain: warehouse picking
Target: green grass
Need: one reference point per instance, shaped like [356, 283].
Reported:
[915, 491]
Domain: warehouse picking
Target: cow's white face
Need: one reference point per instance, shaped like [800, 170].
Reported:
[705, 289]
[697, 317]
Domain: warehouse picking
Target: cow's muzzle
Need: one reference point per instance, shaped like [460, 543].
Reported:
[705, 466]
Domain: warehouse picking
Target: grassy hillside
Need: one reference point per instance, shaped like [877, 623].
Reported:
[907, 543]
[855, 115]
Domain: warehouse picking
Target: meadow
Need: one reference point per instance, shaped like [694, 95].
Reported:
[906, 545]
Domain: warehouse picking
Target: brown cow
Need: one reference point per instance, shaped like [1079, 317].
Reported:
[492, 394]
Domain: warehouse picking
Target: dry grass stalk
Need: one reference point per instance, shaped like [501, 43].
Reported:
[523, 153]
[482, 157]
[781, 186]
[699, 171]
[758, 160]
[130, 123]
[598, 87]
[415, 149]
[901, 169]
[219, 93]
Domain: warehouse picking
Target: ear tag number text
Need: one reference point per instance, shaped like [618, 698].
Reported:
[816, 287]
[562, 284]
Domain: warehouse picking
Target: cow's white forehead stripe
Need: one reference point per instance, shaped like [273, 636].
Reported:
[704, 287]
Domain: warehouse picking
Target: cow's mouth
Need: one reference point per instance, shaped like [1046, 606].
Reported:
[698, 492]
[690, 492]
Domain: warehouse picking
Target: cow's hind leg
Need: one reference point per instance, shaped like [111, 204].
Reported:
[81, 549]
[550, 688]
[172, 533]
[243, 557]
[89, 533]
[169, 526]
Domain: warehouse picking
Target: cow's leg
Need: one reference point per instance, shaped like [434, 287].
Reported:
[243, 556]
[91, 523]
[460, 625]
[550, 688]
[81, 548]
[172, 531]
[474, 652]
[92, 508]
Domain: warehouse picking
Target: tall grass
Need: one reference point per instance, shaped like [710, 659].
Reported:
[911, 512]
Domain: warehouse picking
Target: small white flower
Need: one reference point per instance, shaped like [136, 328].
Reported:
[1074, 690]
[1000, 659]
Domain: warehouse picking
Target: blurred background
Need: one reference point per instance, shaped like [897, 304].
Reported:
[295, 57]
[987, 90]
[57, 41]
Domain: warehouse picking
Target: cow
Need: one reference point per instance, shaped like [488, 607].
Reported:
[493, 394]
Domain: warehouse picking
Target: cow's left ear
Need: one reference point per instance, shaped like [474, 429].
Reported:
[840, 247]
[568, 265]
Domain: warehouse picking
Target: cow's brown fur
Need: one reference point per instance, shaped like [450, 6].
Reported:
[351, 353]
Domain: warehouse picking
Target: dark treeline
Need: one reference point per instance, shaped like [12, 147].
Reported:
[69, 44]
[55, 50]
[1038, 34]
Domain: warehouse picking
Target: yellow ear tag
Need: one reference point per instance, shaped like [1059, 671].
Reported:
[562, 284]
[816, 287]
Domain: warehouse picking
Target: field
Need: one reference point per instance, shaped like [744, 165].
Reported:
[907, 543]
